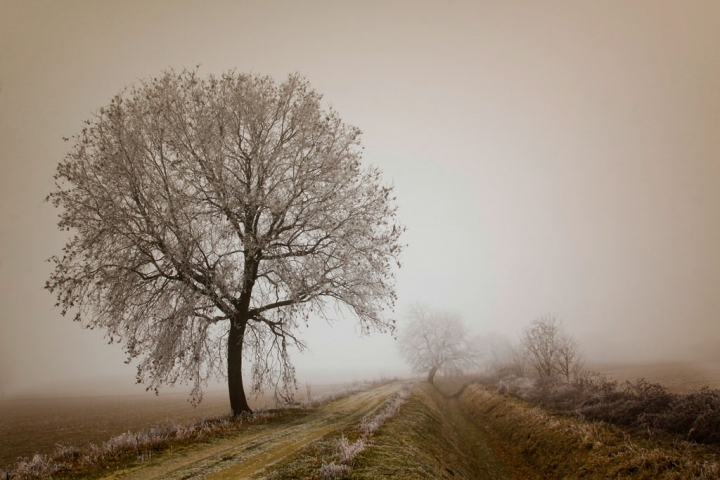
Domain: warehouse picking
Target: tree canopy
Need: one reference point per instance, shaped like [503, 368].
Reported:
[435, 342]
[210, 217]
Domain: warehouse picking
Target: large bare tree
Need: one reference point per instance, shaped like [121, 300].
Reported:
[210, 216]
[435, 342]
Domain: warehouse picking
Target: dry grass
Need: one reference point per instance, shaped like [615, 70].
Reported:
[331, 471]
[642, 408]
[347, 451]
[539, 444]
[371, 423]
[419, 442]
[140, 446]
[131, 446]
[30, 425]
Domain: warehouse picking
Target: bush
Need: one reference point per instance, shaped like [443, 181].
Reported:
[539, 444]
[640, 406]
[694, 415]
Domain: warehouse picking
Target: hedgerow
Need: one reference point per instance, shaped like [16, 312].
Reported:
[640, 406]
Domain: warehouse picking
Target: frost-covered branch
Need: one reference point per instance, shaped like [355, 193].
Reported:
[210, 214]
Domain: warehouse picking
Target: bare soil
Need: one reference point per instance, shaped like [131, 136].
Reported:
[32, 425]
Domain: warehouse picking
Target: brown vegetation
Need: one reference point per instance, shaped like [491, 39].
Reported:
[640, 407]
[419, 440]
[541, 444]
[30, 425]
[132, 447]
[135, 448]
[676, 377]
[422, 442]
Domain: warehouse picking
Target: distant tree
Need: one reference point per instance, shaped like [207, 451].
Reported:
[518, 359]
[539, 340]
[211, 216]
[5, 377]
[501, 355]
[436, 342]
[549, 350]
[495, 350]
[570, 360]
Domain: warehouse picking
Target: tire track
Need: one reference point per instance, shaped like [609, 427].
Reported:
[249, 454]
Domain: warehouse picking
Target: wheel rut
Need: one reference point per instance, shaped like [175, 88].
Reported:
[483, 460]
[248, 455]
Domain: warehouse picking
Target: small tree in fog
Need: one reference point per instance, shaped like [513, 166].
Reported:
[4, 376]
[495, 350]
[570, 360]
[549, 350]
[501, 355]
[212, 216]
[539, 342]
[435, 342]
[518, 359]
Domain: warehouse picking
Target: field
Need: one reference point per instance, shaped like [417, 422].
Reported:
[676, 377]
[223, 448]
[36, 424]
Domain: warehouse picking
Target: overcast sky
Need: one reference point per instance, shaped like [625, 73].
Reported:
[548, 157]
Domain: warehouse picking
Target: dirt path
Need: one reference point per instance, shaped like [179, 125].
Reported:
[260, 448]
[485, 463]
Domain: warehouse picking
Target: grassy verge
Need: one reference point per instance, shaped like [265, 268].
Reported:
[642, 408]
[420, 442]
[539, 444]
[334, 456]
[134, 448]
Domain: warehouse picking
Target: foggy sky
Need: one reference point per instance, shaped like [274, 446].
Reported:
[552, 157]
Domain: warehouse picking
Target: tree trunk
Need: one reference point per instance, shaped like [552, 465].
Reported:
[431, 374]
[238, 402]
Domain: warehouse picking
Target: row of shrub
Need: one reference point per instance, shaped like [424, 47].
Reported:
[539, 444]
[642, 407]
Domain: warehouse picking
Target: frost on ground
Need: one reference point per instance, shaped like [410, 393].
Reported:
[347, 451]
[547, 445]
[643, 408]
[145, 444]
[141, 443]
[330, 471]
[372, 422]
